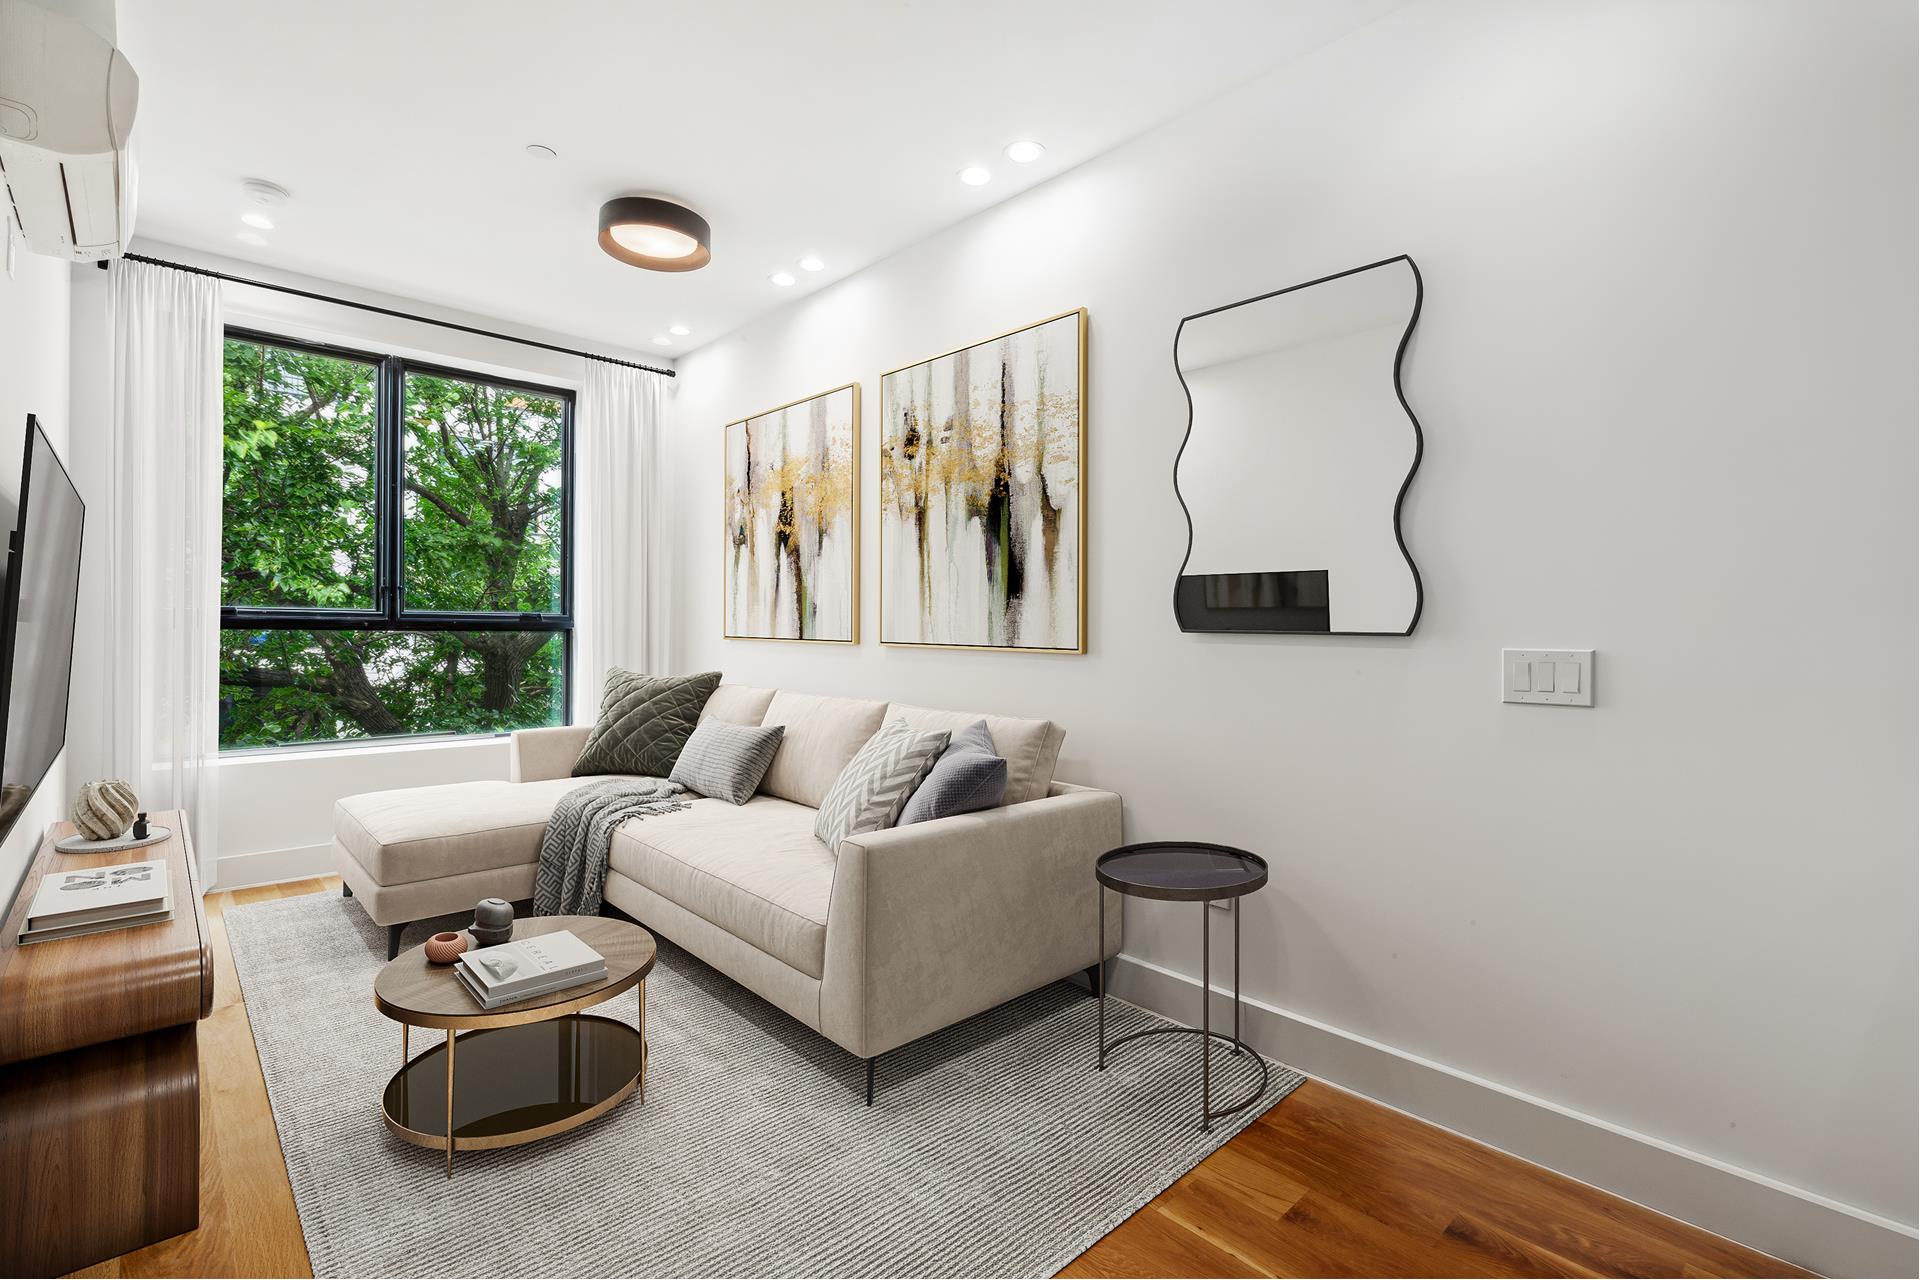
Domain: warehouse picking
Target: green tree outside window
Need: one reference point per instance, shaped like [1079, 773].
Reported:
[481, 514]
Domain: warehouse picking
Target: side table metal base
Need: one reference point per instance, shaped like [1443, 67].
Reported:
[1213, 1113]
[1208, 1112]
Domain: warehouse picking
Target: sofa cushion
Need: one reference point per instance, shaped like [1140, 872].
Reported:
[968, 776]
[754, 870]
[822, 735]
[873, 788]
[644, 722]
[726, 760]
[1031, 747]
[426, 833]
[737, 704]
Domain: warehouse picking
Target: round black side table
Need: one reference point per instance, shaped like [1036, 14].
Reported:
[1186, 871]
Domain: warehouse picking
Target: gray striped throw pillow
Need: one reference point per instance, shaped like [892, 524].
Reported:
[873, 788]
[727, 761]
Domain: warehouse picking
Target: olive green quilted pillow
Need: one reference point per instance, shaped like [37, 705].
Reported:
[644, 722]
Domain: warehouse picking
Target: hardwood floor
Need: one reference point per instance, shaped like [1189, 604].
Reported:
[1329, 1184]
[1325, 1184]
[248, 1226]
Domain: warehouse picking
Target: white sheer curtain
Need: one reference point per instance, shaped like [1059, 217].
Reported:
[617, 578]
[161, 541]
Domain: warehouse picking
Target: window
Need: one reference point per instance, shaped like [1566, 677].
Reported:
[395, 552]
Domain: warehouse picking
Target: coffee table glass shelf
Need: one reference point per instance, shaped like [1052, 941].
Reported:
[527, 1070]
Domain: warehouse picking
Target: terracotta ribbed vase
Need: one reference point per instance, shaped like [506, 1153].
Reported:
[445, 948]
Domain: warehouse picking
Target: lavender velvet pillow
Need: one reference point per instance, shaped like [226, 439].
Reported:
[970, 775]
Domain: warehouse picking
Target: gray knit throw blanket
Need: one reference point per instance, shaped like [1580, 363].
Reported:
[573, 854]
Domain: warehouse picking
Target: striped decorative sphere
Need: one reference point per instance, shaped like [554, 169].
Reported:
[104, 810]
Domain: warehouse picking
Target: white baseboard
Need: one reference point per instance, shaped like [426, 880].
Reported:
[271, 866]
[1798, 1226]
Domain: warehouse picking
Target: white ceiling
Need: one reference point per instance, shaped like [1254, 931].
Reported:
[400, 127]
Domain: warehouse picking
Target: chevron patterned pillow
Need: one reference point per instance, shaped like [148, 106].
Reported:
[873, 788]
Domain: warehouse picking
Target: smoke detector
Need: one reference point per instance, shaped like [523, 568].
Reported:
[260, 191]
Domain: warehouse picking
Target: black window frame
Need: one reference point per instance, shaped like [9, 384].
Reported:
[389, 611]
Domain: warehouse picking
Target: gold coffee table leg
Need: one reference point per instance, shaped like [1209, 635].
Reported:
[643, 1040]
[403, 1044]
[449, 1102]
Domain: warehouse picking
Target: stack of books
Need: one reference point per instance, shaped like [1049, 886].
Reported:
[72, 903]
[528, 967]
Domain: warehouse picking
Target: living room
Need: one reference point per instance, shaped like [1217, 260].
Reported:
[1145, 639]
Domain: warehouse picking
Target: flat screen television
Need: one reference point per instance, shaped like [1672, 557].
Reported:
[41, 593]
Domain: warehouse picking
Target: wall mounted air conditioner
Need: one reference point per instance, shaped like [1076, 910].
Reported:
[67, 100]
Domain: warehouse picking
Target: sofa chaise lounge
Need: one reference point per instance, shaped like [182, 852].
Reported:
[891, 936]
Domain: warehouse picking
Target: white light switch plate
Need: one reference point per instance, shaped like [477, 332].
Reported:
[1553, 677]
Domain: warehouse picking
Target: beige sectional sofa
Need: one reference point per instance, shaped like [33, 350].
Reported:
[892, 935]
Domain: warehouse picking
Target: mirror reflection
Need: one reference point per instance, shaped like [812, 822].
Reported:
[1297, 455]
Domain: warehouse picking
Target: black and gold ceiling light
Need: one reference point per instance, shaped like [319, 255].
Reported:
[643, 231]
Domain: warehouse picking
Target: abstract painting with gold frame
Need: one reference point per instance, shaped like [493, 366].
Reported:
[982, 494]
[792, 510]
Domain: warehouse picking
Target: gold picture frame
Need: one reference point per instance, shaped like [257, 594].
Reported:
[899, 457]
[748, 608]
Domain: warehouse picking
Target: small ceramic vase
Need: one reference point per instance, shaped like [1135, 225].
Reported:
[445, 948]
[492, 922]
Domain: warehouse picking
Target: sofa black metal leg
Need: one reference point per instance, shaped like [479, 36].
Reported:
[346, 890]
[393, 939]
[870, 1062]
[1096, 975]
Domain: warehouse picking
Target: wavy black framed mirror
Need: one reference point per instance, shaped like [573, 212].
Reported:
[1299, 450]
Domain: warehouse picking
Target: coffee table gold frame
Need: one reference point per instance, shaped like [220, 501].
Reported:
[416, 994]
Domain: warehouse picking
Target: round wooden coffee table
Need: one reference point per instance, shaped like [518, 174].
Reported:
[530, 1069]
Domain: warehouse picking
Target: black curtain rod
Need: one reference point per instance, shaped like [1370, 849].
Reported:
[386, 311]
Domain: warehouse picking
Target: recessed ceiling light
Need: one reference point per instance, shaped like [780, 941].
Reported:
[975, 176]
[259, 220]
[662, 340]
[540, 151]
[811, 263]
[253, 238]
[260, 191]
[1025, 151]
[782, 278]
[656, 234]
[679, 331]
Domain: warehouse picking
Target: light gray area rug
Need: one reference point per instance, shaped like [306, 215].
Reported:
[993, 1149]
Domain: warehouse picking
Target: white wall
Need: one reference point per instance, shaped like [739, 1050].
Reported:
[275, 807]
[1666, 369]
[90, 398]
[33, 379]
[35, 301]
